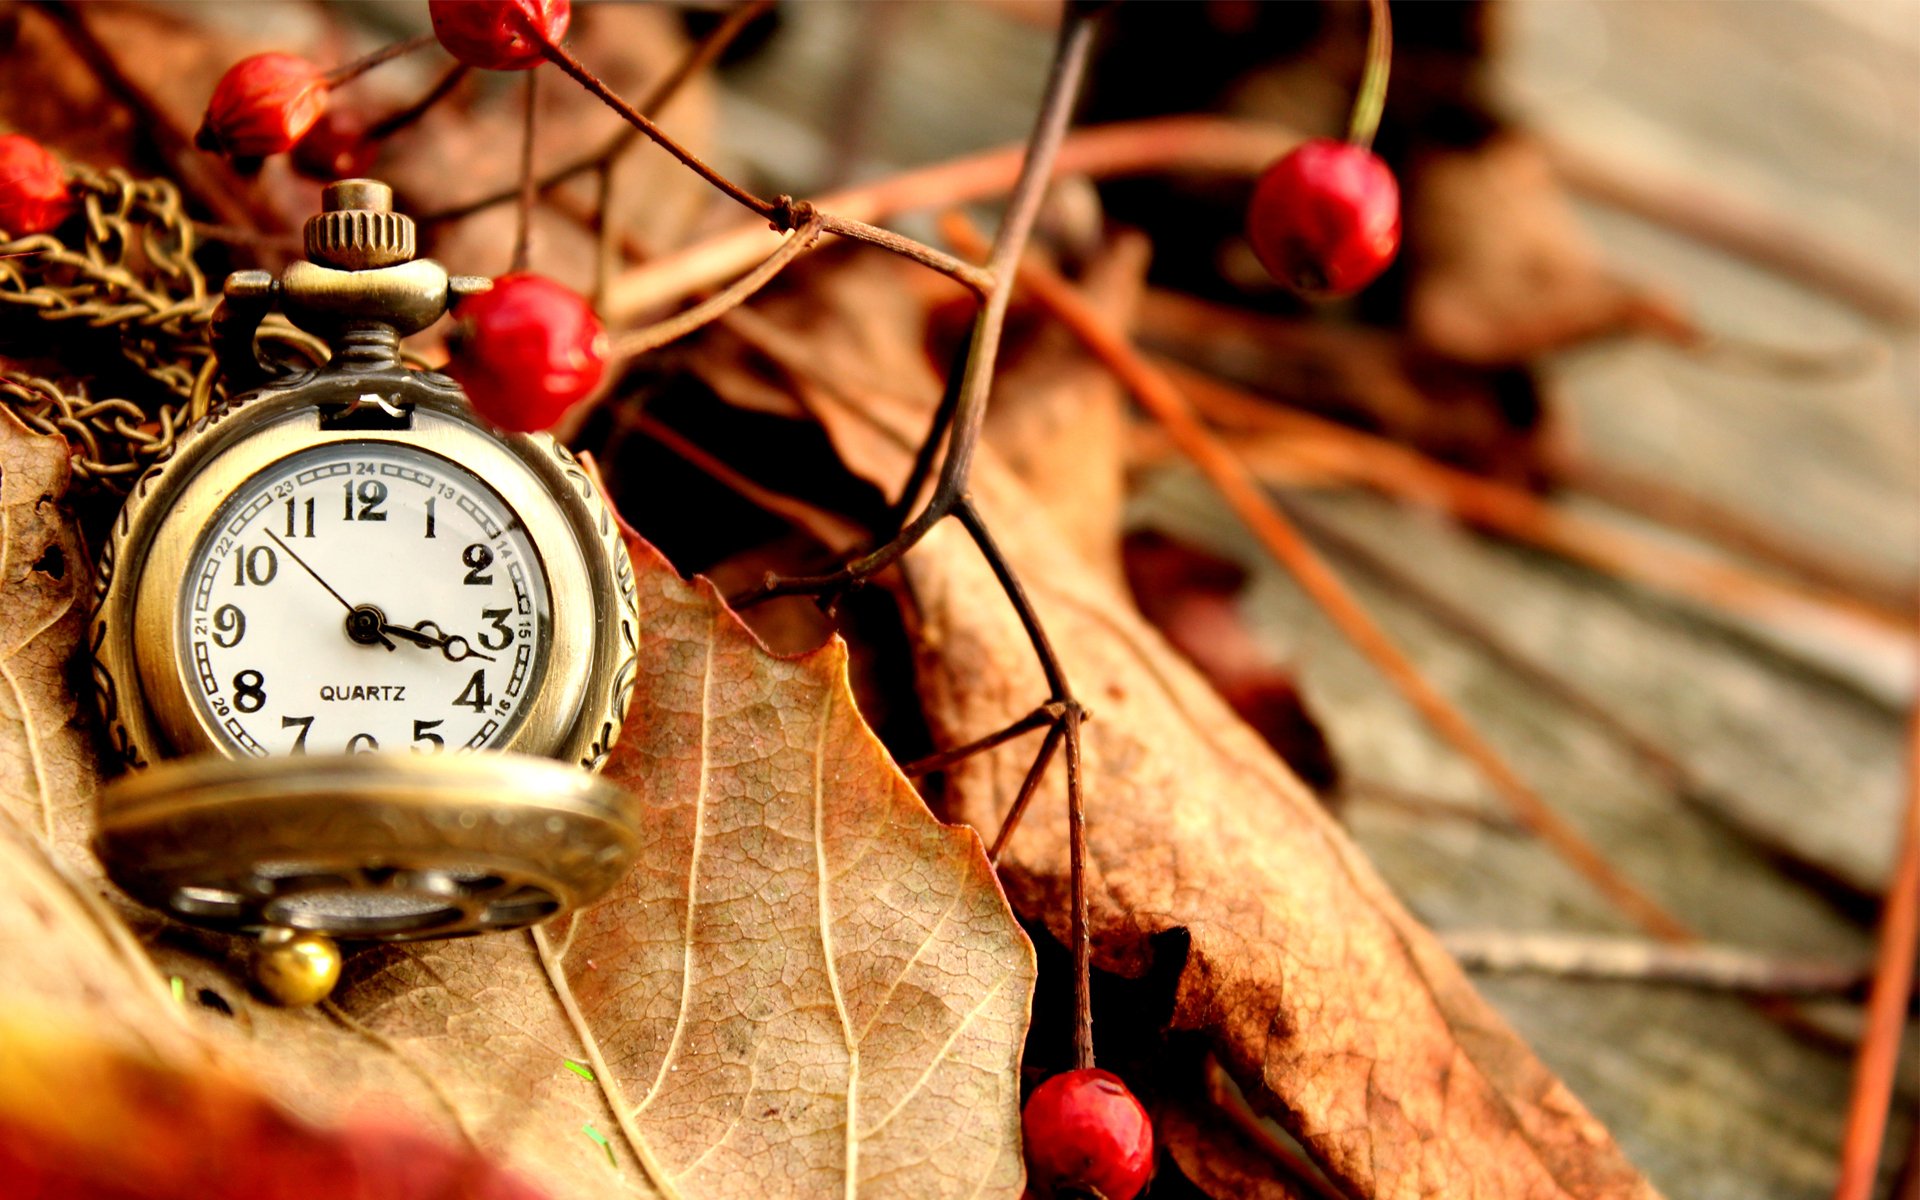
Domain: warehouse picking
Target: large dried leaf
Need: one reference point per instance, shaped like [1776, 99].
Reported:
[808, 982]
[1333, 1007]
[807, 986]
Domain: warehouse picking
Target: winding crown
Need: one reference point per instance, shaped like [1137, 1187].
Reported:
[357, 229]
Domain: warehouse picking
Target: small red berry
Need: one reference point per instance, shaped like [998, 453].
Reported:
[33, 187]
[499, 35]
[1325, 220]
[1085, 1130]
[336, 147]
[263, 105]
[527, 351]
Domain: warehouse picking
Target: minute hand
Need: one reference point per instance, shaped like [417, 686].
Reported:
[357, 615]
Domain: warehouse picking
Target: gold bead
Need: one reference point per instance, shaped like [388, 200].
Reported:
[296, 969]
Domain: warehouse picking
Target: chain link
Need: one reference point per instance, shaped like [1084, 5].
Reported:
[133, 278]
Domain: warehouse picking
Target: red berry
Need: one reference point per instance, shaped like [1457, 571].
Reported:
[527, 351]
[263, 105]
[335, 148]
[499, 35]
[1325, 220]
[33, 187]
[1085, 1130]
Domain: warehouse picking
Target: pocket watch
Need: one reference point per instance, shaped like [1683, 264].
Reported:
[360, 652]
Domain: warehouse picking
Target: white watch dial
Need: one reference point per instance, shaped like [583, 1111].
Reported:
[363, 596]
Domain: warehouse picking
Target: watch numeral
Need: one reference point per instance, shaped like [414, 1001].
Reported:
[474, 695]
[429, 516]
[361, 743]
[423, 732]
[228, 619]
[306, 727]
[499, 618]
[372, 494]
[249, 691]
[257, 566]
[478, 558]
[290, 522]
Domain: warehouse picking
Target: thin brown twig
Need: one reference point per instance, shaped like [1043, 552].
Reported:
[1466, 625]
[1879, 1054]
[783, 212]
[566, 60]
[1077, 870]
[523, 228]
[367, 62]
[1158, 395]
[1049, 746]
[652, 337]
[831, 529]
[692, 63]
[1206, 145]
[1046, 714]
[1663, 502]
[442, 87]
[1341, 452]
[950, 497]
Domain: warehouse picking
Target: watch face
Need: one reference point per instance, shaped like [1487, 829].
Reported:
[363, 596]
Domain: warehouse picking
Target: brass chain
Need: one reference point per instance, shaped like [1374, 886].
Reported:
[128, 272]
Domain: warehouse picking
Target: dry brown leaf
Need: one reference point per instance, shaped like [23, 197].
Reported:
[839, 1008]
[1333, 1007]
[46, 784]
[61, 945]
[742, 1037]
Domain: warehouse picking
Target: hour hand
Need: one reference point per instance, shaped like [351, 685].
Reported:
[455, 647]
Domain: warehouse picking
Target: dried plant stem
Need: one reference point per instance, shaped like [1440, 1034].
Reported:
[835, 531]
[1372, 98]
[360, 66]
[1210, 145]
[1077, 868]
[691, 64]
[652, 337]
[564, 58]
[523, 227]
[1630, 960]
[1049, 746]
[950, 496]
[1407, 585]
[783, 212]
[1662, 501]
[1337, 452]
[1046, 714]
[1244, 495]
[442, 87]
[1879, 1053]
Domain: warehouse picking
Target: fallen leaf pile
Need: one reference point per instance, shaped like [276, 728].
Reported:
[1328, 1003]
[807, 985]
